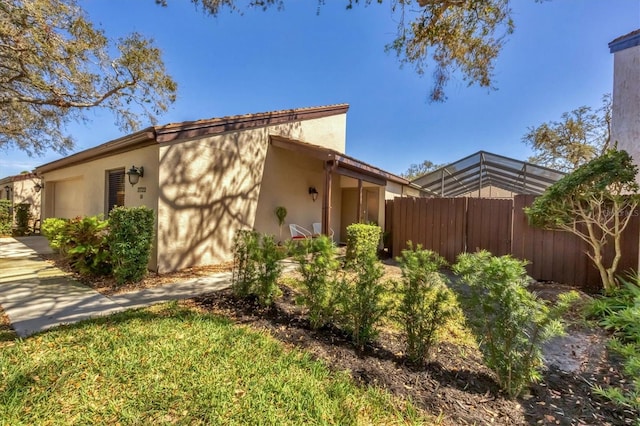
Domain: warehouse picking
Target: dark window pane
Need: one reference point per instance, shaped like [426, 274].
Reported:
[115, 189]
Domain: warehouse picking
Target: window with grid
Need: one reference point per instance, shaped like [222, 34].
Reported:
[115, 189]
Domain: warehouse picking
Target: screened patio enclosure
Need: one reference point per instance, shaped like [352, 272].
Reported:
[485, 170]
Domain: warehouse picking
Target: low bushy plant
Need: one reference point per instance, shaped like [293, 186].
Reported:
[268, 271]
[426, 303]
[362, 239]
[361, 294]
[130, 240]
[619, 312]
[318, 267]
[509, 322]
[53, 229]
[23, 216]
[256, 266]
[245, 267]
[6, 221]
[86, 247]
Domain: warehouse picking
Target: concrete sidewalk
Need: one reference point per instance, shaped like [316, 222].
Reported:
[37, 296]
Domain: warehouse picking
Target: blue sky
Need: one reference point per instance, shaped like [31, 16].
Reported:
[556, 60]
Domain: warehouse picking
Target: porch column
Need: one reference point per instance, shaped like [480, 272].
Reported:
[326, 197]
[359, 216]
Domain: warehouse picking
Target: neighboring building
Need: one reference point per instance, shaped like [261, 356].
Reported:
[24, 188]
[206, 179]
[625, 111]
[625, 114]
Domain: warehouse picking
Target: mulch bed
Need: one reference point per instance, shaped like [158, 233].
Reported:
[455, 384]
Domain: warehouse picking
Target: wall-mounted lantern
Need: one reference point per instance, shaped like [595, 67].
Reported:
[313, 192]
[38, 187]
[135, 173]
[7, 189]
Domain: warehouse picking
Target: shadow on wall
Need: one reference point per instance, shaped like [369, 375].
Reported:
[209, 188]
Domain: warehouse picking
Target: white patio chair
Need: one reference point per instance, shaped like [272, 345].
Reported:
[298, 232]
[317, 230]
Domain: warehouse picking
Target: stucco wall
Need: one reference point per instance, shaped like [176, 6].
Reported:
[625, 118]
[330, 132]
[286, 180]
[79, 190]
[83, 185]
[210, 187]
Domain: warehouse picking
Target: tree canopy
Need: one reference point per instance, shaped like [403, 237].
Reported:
[579, 136]
[55, 65]
[416, 170]
[595, 202]
[464, 36]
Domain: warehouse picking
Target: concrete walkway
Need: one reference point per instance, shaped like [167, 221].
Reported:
[37, 296]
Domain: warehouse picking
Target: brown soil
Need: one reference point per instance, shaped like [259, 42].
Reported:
[455, 384]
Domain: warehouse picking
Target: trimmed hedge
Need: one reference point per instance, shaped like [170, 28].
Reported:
[130, 239]
[362, 238]
[23, 215]
[5, 217]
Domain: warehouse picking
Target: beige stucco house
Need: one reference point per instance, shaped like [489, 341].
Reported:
[206, 179]
[22, 189]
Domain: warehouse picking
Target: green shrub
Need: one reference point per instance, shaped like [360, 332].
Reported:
[318, 267]
[619, 312]
[361, 296]
[86, 247]
[6, 221]
[245, 266]
[130, 240]
[426, 302]
[362, 238]
[54, 230]
[269, 270]
[509, 322]
[256, 266]
[23, 216]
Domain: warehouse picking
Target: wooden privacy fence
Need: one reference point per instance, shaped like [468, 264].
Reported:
[450, 226]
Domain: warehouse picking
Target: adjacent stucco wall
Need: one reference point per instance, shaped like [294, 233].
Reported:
[23, 192]
[211, 186]
[625, 118]
[394, 189]
[625, 113]
[489, 192]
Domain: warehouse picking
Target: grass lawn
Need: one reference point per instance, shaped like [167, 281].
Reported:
[172, 364]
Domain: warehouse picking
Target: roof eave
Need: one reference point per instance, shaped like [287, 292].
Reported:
[127, 143]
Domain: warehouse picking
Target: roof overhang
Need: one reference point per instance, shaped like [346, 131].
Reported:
[127, 143]
[342, 164]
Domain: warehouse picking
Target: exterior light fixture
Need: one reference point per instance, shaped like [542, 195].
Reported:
[313, 192]
[7, 189]
[38, 187]
[135, 173]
